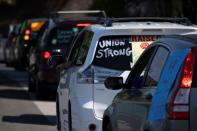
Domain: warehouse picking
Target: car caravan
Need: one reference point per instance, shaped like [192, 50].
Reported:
[98, 52]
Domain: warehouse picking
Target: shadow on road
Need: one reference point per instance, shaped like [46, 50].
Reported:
[13, 78]
[31, 119]
[24, 95]
[14, 94]
[12, 83]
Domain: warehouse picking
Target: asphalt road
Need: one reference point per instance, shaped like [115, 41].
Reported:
[19, 110]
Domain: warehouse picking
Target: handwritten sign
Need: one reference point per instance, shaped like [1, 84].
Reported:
[140, 43]
[118, 52]
[108, 48]
[114, 52]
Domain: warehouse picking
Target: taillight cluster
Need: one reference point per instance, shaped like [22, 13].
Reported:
[179, 102]
[46, 55]
[27, 34]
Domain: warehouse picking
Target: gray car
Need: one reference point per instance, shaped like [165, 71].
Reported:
[159, 93]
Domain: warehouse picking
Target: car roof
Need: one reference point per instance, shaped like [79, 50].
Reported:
[176, 42]
[142, 25]
[37, 19]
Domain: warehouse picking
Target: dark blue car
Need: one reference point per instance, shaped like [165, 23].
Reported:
[160, 91]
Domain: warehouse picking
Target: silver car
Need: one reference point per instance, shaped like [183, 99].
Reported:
[159, 94]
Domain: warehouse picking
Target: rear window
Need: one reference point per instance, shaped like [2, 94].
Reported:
[61, 36]
[121, 52]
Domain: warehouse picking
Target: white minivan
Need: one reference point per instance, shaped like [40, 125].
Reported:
[98, 52]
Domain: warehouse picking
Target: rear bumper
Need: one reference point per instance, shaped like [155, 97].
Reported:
[177, 125]
[50, 76]
[83, 115]
[168, 125]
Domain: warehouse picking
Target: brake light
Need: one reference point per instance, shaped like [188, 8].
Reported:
[26, 37]
[27, 32]
[83, 24]
[46, 55]
[179, 103]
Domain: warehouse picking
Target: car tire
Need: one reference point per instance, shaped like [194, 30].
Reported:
[57, 112]
[31, 84]
[69, 118]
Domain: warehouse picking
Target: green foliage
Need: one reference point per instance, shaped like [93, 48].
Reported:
[11, 2]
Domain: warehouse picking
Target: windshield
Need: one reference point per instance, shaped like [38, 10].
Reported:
[121, 52]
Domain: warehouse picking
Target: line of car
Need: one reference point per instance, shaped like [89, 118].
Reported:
[104, 79]
[101, 51]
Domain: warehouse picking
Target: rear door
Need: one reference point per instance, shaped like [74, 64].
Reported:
[133, 107]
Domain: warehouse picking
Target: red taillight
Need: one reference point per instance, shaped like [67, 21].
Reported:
[186, 77]
[83, 24]
[46, 55]
[179, 103]
[27, 32]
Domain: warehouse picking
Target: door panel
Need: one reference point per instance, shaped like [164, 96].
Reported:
[132, 110]
[134, 103]
[63, 100]
[102, 96]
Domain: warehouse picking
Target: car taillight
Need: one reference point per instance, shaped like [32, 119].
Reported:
[46, 55]
[26, 37]
[179, 102]
[83, 24]
[27, 34]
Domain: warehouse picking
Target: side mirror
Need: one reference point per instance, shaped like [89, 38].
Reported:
[114, 83]
[55, 60]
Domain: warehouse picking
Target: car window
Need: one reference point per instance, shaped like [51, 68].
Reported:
[147, 70]
[84, 47]
[156, 67]
[120, 52]
[44, 37]
[136, 76]
[60, 36]
[76, 46]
